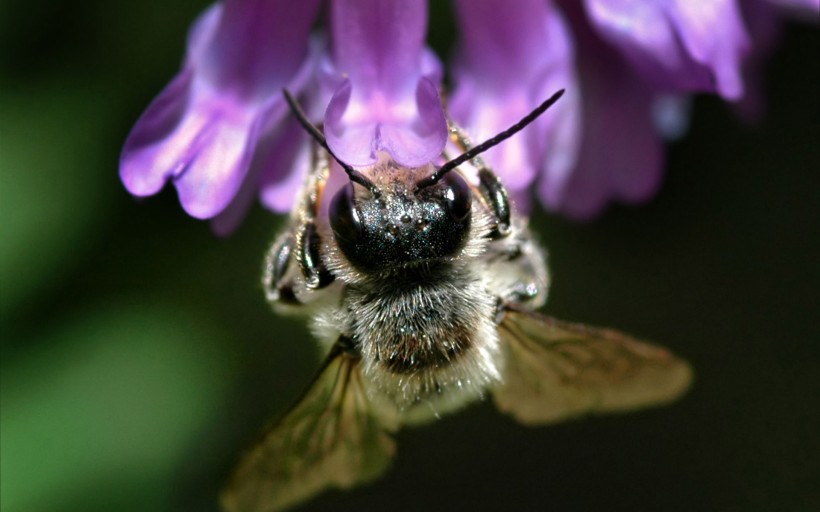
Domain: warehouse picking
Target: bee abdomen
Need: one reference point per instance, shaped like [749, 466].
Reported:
[411, 354]
[427, 343]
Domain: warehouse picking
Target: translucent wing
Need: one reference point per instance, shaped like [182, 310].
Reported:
[555, 370]
[332, 437]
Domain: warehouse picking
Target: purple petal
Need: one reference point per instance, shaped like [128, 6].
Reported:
[500, 79]
[284, 167]
[715, 36]
[378, 43]
[227, 221]
[497, 36]
[202, 130]
[218, 161]
[258, 46]
[421, 135]
[385, 100]
[615, 163]
[277, 172]
[643, 32]
[621, 154]
[207, 155]
[155, 150]
[348, 129]
[563, 137]
[677, 44]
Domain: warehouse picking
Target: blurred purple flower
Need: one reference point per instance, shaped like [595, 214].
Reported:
[221, 133]
[677, 44]
[621, 151]
[624, 64]
[511, 56]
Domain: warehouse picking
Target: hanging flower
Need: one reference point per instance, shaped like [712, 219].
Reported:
[202, 131]
[221, 133]
[511, 56]
[618, 59]
[620, 153]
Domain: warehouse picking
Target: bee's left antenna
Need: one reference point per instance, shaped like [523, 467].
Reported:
[354, 175]
[487, 144]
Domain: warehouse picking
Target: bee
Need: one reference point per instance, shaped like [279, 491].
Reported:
[423, 286]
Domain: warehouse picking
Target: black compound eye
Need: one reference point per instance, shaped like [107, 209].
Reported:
[458, 198]
[344, 217]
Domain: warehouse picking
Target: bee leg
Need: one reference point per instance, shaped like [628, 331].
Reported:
[306, 241]
[520, 296]
[309, 257]
[522, 293]
[495, 196]
[490, 188]
[518, 269]
[277, 262]
[300, 242]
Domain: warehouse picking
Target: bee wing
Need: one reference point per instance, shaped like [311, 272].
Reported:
[556, 370]
[332, 437]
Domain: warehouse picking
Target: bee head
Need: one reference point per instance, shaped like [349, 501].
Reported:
[401, 225]
[396, 225]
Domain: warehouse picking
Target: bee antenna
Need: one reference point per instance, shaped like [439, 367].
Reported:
[439, 173]
[354, 175]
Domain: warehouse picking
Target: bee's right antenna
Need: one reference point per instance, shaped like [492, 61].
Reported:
[487, 144]
[354, 175]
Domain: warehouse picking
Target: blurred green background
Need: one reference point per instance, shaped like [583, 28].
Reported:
[139, 357]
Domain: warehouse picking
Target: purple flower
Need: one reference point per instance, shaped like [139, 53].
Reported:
[385, 94]
[621, 151]
[511, 56]
[221, 132]
[202, 131]
[677, 44]
[622, 61]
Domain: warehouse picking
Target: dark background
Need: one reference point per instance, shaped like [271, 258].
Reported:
[139, 357]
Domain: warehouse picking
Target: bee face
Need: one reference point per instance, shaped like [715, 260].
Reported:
[401, 225]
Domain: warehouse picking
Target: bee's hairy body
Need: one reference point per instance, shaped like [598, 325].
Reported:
[418, 308]
[423, 286]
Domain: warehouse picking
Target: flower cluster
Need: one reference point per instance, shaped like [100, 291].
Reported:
[221, 132]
